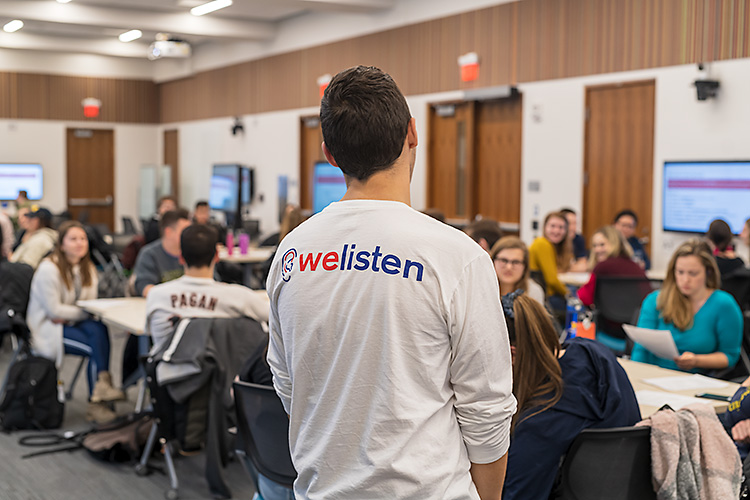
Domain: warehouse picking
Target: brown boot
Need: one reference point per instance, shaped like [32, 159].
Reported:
[103, 390]
[99, 413]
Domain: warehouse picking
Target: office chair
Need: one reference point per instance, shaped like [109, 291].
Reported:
[128, 226]
[607, 463]
[737, 284]
[539, 278]
[263, 427]
[616, 301]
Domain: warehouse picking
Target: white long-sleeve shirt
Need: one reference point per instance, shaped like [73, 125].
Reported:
[389, 351]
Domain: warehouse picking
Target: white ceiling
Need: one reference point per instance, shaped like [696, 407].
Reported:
[92, 26]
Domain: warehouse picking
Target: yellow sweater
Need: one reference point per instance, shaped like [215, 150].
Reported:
[542, 258]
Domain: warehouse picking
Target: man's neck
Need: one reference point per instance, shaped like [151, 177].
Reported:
[200, 272]
[391, 184]
[173, 250]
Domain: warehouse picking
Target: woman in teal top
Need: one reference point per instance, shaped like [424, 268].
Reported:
[706, 323]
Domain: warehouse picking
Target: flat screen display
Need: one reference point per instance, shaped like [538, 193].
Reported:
[15, 177]
[697, 192]
[224, 187]
[328, 185]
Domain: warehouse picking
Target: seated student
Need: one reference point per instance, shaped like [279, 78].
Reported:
[22, 221]
[550, 254]
[59, 326]
[626, 222]
[706, 323]
[577, 242]
[39, 239]
[15, 283]
[736, 419]
[720, 238]
[511, 259]
[159, 261]
[152, 231]
[561, 390]
[486, 232]
[196, 294]
[202, 215]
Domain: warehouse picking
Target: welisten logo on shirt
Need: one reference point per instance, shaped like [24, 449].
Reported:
[349, 259]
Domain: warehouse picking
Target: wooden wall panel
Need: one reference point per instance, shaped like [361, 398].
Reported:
[5, 92]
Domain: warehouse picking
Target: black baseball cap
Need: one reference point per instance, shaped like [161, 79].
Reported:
[40, 213]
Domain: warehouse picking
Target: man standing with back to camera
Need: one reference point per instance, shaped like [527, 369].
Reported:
[388, 345]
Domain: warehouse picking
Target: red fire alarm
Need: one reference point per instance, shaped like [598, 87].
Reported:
[323, 82]
[469, 64]
[91, 107]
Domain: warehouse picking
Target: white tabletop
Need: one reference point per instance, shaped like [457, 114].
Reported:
[128, 313]
[637, 372]
[580, 279]
[253, 255]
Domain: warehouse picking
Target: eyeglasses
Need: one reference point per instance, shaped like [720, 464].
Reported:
[505, 262]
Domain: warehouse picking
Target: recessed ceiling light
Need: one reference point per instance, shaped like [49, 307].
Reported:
[12, 26]
[210, 7]
[63, 1]
[131, 35]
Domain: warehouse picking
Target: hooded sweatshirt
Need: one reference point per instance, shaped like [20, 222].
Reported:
[596, 394]
[33, 250]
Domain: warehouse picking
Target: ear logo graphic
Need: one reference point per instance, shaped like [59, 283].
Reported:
[287, 264]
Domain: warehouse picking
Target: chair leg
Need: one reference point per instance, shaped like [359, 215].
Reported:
[168, 458]
[142, 468]
[69, 394]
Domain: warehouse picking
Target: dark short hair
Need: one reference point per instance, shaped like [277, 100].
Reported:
[623, 213]
[198, 245]
[364, 118]
[24, 193]
[720, 234]
[201, 203]
[485, 228]
[166, 198]
[567, 211]
[170, 218]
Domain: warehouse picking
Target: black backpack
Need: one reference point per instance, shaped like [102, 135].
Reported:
[32, 398]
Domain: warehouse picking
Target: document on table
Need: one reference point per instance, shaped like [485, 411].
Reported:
[686, 382]
[659, 399]
[659, 342]
[101, 304]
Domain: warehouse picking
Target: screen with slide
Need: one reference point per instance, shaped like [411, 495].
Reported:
[328, 185]
[15, 177]
[695, 193]
[224, 187]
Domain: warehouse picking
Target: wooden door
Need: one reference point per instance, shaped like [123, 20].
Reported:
[311, 137]
[91, 175]
[450, 161]
[498, 159]
[619, 154]
[172, 158]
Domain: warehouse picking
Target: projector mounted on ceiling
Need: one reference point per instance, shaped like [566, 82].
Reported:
[168, 48]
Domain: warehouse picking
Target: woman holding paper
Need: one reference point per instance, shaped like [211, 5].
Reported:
[705, 323]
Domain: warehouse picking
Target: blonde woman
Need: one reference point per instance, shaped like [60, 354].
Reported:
[611, 255]
[706, 323]
[551, 254]
[511, 259]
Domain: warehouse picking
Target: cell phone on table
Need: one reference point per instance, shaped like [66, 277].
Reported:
[717, 397]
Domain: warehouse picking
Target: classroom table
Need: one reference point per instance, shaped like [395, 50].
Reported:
[580, 279]
[248, 261]
[128, 313]
[637, 372]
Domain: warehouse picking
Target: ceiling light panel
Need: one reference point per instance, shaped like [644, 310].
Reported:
[13, 26]
[209, 7]
[131, 35]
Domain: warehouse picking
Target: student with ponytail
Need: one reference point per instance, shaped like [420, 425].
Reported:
[561, 390]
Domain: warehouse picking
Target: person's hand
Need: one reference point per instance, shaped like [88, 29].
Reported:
[746, 382]
[58, 321]
[686, 361]
[741, 431]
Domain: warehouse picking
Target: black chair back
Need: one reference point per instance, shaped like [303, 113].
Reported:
[264, 429]
[737, 284]
[539, 278]
[128, 226]
[607, 463]
[617, 299]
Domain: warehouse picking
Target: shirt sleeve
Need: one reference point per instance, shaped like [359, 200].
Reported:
[649, 318]
[146, 272]
[282, 381]
[729, 325]
[481, 370]
[586, 292]
[548, 266]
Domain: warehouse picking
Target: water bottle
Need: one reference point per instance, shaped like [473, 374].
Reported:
[230, 243]
[244, 243]
[573, 310]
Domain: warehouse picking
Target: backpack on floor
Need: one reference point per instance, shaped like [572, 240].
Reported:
[32, 398]
[121, 440]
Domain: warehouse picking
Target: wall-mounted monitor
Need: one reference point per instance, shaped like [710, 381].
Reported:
[328, 185]
[15, 177]
[232, 187]
[697, 192]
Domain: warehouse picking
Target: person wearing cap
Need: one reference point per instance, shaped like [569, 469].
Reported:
[39, 240]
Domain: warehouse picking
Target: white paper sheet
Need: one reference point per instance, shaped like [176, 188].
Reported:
[659, 399]
[101, 304]
[659, 342]
[686, 382]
